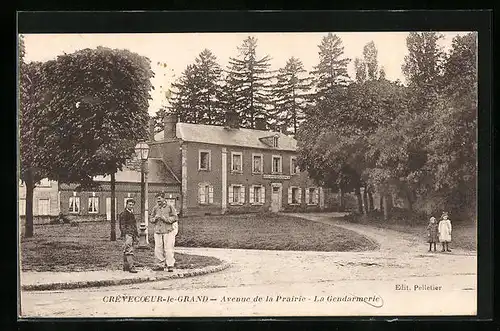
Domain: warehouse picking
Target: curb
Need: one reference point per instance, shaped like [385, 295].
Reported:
[113, 282]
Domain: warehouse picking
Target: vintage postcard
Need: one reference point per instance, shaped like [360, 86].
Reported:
[248, 174]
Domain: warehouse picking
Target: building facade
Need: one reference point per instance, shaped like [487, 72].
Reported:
[45, 200]
[227, 169]
[96, 206]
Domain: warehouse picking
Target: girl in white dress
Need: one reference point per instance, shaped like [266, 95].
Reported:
[444, 230]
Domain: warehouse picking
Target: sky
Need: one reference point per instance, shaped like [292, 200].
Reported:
[178, 50]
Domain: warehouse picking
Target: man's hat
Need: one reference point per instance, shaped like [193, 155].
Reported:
[130, 200]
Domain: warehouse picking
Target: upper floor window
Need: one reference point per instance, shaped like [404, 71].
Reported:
[204, 157]
[277, 166]
[294, 168]
[236, 162]
[257, 163]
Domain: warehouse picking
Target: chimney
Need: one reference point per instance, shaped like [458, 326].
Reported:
[232, 120]
[151, 129]
[170, 123]
[260, 124]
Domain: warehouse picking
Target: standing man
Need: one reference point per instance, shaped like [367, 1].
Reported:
[164, 217]
[128, 226]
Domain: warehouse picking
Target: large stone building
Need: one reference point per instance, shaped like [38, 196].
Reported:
[231, 169]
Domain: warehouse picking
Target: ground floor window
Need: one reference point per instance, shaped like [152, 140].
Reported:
[236, 194]
[205, 193]
[74, 205]
[257, 194]
[43, 206]
[93, 205]
[294, 195]
[312, 196]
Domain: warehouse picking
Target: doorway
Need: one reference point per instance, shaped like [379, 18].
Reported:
[276, 194]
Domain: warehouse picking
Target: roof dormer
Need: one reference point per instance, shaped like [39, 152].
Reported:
[271, 141]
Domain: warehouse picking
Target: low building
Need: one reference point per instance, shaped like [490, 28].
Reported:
[45, 201]
[96, 205]
[231, 169]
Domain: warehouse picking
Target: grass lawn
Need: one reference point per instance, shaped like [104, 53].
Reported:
[268, 231]
[463, 234]
[86, 248]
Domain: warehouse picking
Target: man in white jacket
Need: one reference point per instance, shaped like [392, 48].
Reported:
[164, 217]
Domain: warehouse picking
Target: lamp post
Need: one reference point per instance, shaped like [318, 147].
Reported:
[142, 152]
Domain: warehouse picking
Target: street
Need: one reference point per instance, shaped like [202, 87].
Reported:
[401, 278]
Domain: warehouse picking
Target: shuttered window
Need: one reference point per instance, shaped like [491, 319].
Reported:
[257, 194]
[312, 196]
[236, 194]
[294, 195]
[205, 193]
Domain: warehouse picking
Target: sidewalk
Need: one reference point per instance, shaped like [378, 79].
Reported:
[43, 281]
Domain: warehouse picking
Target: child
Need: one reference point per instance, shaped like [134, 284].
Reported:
[432, 233]
[444, 230]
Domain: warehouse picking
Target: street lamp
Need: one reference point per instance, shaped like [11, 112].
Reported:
[142, 152]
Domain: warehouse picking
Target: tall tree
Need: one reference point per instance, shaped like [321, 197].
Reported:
[32, 119]
[332, 68]
[249, 77]
[185, 102]
[360, 70]
[290, 94]
[370, 59]
[98, 110]
[209, 94]
[452, 148]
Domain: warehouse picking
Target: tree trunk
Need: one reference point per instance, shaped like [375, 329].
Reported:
[342, 202]
[386, 209]
[365, 200]
[113, 211]
[370, 200]
[30, 186]
[410, 200]
[381, 203]
[360, 201]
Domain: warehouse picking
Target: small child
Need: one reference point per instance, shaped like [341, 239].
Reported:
[444, 230]
[432, 233]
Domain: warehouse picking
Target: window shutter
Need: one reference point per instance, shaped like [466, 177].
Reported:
[262, 194]
[251, 193]
[211, 194]
[299, 195]
[289, 195]
[307, 195]
[78, 204]
[316, 196]
[242, 194]
[201, 194]
[230, 191]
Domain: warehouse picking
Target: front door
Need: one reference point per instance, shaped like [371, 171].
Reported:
[275, 198]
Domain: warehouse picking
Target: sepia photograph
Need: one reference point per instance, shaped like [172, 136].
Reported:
[247, 174]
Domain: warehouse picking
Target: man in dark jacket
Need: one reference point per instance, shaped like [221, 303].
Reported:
[128, 226]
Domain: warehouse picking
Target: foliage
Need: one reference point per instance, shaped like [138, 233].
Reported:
[98, 110]
[249, 80]
[331, 70]
[197, 93]
[290, 92]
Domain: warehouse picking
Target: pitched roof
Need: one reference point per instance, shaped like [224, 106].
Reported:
[219, 135]
[158, 173]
